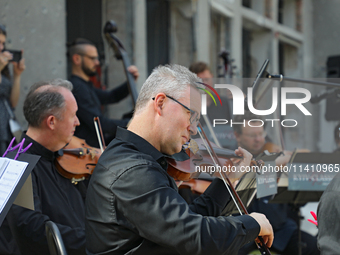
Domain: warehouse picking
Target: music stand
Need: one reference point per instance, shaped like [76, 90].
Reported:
[246, 189]
[15, 188]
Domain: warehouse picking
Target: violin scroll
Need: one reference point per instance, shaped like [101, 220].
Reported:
[110, 27]
[120, 53]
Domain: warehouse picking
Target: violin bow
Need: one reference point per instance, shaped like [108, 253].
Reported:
[99, 132]
[262, 246]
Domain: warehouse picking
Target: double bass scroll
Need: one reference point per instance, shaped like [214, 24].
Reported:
[109, 29]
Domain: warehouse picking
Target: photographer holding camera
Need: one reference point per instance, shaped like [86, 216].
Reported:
[9, 88]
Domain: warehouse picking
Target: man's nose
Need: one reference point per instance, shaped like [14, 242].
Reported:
[77, 123]
[193, 129]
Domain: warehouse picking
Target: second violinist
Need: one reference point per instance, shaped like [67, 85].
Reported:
[133, 205]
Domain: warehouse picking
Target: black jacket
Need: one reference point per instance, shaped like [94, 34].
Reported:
[328, 218]
[133, 207]
[55, 199]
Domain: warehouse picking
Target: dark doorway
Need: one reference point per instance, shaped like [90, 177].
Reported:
[84, 19]
[158, 20]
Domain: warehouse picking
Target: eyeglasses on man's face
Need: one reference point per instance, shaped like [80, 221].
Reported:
[254, 136]
[194, 116]
[96, 58]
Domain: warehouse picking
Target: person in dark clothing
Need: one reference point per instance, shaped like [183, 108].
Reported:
[328, 211]
[9, 97]
[9, 90]
[84, 58]
[328, 218]
[50, 110]
[253, 139]
[133, 205]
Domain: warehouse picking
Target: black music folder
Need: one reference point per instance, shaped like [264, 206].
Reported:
[13, 176]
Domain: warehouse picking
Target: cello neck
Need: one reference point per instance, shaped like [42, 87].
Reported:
[121, 54]
[130, 78]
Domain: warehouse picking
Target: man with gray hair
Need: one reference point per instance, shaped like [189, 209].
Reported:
[133, 205]
[50, 109]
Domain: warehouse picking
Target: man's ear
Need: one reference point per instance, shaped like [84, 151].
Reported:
[76, 59]
[159, 102]
[51, 122]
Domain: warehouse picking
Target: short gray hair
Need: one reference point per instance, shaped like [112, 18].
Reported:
[173, 80]
[41, 102]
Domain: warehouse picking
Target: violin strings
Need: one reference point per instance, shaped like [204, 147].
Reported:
[222, 177]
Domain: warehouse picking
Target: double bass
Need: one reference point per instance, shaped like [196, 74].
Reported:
[110, 29]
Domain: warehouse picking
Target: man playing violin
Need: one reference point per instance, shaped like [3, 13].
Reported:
[253, 139]
[133, 205]
[50, 110]
[85, 60]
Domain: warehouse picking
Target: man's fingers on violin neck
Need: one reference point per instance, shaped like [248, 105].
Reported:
[268, 241]
[243, 152]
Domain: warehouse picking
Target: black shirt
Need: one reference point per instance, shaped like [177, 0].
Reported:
[90, 100]
[133, 207]
[55, 199]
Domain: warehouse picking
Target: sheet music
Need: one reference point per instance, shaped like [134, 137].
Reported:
[10, 173]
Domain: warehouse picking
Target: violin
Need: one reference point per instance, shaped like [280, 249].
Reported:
[197, 186]
[285, 156]
[271, 147]
[198, 159]
[77, 160]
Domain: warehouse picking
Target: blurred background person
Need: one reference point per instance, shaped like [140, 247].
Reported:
[280, 215]
[9, 90]
[85, 59]
[328, 211]
[9, 97]
[337, 137]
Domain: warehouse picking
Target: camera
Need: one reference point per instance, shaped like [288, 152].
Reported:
[17, 55]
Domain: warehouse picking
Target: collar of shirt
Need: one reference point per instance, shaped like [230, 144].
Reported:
[142, 145]
[89, 83]
[38, 149]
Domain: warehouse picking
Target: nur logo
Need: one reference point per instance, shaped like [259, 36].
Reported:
[204, 97]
